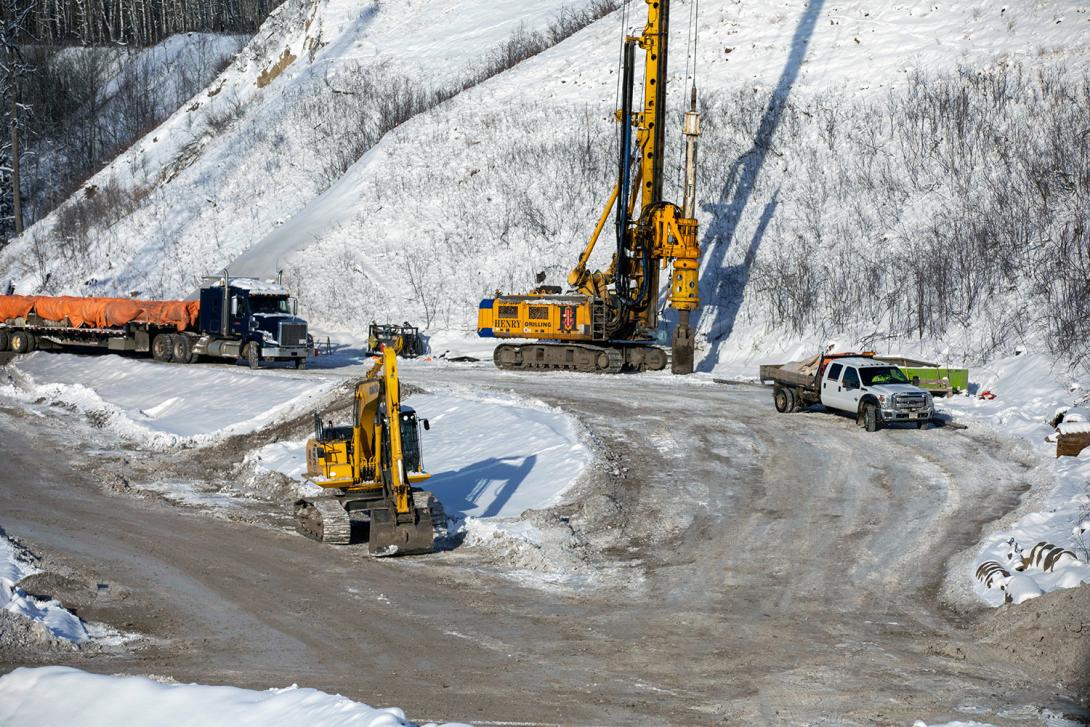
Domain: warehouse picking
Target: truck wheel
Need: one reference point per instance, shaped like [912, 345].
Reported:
[923, 424]
[781, 398]
[252, 354]
[162, 347]
[22, 342]
[300, 363]
[5, 340]
[870, 418]
[183, 349]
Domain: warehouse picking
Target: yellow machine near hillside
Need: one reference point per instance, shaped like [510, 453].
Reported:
[608, 320]
[370, 468]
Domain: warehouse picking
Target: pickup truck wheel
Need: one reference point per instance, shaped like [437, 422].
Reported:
[923, 424]
[781, 398]
[183, 349]
[162, 348]
[22, 342]
[252, 354]
[870, 418]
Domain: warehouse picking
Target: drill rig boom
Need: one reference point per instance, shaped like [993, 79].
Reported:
[609, 319]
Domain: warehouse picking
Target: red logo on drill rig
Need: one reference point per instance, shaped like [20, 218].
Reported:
[567, 318]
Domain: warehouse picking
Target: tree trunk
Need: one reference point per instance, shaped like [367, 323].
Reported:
[16, 185]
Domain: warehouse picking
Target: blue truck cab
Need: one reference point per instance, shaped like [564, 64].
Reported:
[252, 319]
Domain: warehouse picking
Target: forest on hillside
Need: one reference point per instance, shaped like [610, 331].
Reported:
[79, 82]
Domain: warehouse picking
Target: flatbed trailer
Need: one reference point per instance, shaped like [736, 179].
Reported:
[234, 318]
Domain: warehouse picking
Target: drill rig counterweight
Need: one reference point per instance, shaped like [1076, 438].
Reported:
[608, 320]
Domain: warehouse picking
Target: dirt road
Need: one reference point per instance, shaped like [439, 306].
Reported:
[763, 569]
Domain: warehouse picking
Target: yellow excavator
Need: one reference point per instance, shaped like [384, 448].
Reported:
[370, 470]
[607, 321]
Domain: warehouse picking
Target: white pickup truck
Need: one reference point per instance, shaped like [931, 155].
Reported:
[874, 392]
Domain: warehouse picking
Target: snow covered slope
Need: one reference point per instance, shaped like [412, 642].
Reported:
[272, 132]
[506, 178]
[192, 406]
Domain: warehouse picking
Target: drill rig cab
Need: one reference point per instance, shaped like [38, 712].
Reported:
[608, 321]
[371, 469]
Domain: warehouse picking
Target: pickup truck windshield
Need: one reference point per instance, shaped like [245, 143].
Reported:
[882, 375]
[268, 304]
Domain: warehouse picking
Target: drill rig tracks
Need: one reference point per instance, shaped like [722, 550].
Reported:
[584, 358]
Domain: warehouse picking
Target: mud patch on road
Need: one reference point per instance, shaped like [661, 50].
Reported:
[1049, 636]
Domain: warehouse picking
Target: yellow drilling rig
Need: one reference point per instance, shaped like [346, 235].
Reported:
[608, 320]
[370, 468]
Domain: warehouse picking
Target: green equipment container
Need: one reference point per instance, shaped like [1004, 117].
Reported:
[941, 380]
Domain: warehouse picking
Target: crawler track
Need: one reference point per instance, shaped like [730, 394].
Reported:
[584, 358]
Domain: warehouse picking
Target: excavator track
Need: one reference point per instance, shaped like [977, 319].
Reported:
[323, 519]
[584, 358]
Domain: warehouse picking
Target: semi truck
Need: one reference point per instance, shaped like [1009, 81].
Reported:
[874, 392]
[234, 318]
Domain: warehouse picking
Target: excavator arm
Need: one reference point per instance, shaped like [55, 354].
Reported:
[400, 494]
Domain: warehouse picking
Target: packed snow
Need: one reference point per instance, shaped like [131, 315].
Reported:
[159, 407]
[15, 566]
[57, 695]
[491, 457]
[1028, 390]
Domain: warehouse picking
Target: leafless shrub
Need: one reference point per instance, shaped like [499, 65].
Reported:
[94, 209]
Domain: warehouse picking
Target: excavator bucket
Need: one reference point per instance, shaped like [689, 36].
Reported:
[389, 537]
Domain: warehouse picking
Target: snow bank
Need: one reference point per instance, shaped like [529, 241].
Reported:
[62, 695]
[490, 457]
[1028, 390]
[15, 566]
[496, 457]
[163, 405]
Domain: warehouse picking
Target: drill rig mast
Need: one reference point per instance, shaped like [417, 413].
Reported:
[608, 320]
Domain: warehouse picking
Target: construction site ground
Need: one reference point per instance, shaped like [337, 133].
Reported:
[734, 566]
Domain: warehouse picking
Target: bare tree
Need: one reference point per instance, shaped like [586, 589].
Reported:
[15, 17]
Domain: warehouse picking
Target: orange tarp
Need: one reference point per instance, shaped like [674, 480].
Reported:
[102, 312]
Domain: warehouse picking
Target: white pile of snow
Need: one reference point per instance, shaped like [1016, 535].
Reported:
[61, 695]
[60, 622]
[491, 457]
[288, 458]
[1028, 389]
[495, 457]
[161, 405]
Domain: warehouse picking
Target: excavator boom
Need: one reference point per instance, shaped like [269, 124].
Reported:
[364, 467]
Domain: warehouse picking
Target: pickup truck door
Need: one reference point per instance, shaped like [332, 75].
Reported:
[831, 391]
[851, 390]
[842, 394]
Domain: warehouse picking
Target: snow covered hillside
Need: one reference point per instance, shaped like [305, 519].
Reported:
[313, 90]
[867, 173]
[92, 102]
